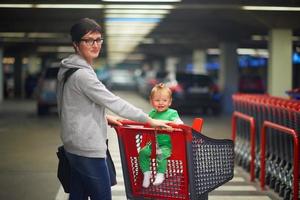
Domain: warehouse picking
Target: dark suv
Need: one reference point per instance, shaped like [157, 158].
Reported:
[46, 90]
[192, 92]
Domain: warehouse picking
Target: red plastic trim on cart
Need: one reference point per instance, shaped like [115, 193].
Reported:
[294, 134]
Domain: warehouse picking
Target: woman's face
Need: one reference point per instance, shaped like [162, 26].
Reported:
[89, 46]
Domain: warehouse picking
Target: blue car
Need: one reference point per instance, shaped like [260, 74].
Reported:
[46, 91]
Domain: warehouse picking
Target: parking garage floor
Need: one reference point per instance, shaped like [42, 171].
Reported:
[28, 164]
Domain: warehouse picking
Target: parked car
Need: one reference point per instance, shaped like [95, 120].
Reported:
[251, 84]
[121, 79]
[147, 81]
[46, 90]
[192, 92]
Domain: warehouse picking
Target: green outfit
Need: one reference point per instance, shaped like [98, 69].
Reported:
[164, 146]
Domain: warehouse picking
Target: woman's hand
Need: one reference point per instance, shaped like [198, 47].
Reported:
[113, 120]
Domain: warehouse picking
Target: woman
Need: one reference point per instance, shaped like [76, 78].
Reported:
[81, 102]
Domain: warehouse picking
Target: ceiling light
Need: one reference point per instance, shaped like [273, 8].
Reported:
[8, 60]
[140, 11]
[60, 49]
[141, 6]
[148, 1]
[253, 52]
[259, 37]
[15, 5]
[12, 34]
[77, 6]
[270, 8]
[143, 16]
[46, 35]
[80, 6]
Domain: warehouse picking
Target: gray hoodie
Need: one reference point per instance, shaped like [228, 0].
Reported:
[82, 109]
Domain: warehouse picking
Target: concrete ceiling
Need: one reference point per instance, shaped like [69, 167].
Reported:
[193, 24]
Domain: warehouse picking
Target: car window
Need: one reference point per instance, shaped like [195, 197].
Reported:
[191, 79]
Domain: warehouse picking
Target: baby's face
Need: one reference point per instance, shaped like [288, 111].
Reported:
[161, 101]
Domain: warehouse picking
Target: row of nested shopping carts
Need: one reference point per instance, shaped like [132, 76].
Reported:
[266, 132]
[198, 164]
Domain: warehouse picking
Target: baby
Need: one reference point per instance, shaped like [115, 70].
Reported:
[161, 100]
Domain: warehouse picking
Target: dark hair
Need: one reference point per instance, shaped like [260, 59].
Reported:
[82, 27]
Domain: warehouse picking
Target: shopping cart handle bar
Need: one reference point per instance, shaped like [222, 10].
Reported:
[130, 122]
[147, 125]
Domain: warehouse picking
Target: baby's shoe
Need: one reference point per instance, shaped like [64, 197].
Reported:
[146, 181]
[160, 177]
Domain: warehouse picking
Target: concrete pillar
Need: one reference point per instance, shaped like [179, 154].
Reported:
[199, 60]
[1, 76]
[228, 77]
[171, 64]
[171, 67]
[280, 62]
[34, 64]
[156, 64]
[18, 77]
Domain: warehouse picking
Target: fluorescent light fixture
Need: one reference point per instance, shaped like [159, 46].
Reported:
[270, 8]
[127, 25]
[59, 49]
[31, 35]
[46, 35]
[254, 52]
[148, 41]
[259, 37]
[8, 60]
[12, 34]
[144, 20]
[89, 6]
[132, 32]
[137, 6]
[213, 51]
[15, 5]
[241, 51]
[122, 25]
[77, 6]
[141, 11]
[137, 57]
[141, 16]
[145, 1]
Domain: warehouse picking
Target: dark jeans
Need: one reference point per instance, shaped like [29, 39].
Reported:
[89, 178]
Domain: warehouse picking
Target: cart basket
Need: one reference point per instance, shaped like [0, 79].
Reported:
[198, 164]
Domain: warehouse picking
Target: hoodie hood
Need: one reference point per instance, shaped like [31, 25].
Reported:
[73, 61]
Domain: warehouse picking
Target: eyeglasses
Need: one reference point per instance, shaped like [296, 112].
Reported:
[91, 42]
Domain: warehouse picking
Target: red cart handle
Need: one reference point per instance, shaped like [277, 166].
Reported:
[130, 122]
[197, 124]
[147, 125]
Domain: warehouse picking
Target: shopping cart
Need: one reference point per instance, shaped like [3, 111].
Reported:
[198, 164]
